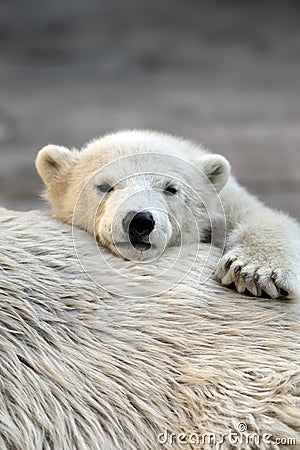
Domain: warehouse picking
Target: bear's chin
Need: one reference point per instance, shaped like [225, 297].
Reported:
[141, 246]
[139, 252]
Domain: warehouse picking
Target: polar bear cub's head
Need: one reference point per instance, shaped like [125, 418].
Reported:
[136, 191]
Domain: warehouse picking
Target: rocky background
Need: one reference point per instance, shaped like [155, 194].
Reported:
[225, 73]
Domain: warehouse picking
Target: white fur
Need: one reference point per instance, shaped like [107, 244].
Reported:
[83, 369]
[262, 246]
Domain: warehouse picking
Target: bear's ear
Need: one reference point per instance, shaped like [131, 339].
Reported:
[216, 168]
[54, 162]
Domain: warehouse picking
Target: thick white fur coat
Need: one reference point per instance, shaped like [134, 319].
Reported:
[83, 369]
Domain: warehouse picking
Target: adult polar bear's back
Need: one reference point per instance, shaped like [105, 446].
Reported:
[82, 369]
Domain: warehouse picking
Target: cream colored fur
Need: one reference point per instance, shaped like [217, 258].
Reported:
[82, 369]
[262, 248]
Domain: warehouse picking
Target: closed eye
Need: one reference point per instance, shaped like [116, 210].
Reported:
[172, 190]
[104, 188]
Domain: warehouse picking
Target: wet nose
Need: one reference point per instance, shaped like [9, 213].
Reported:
[141, 223]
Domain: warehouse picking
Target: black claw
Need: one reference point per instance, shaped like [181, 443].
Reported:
[245, 273]
[256, 276]
[248, 293]
[265, 294]
[283, 292]
[228, 263]
[237, 268]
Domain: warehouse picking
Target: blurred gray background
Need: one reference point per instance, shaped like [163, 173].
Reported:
[225, 73]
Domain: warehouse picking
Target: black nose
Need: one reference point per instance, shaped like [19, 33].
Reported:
[141, 224]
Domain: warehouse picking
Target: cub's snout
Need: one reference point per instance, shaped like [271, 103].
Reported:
[142, 224]
[139, 225]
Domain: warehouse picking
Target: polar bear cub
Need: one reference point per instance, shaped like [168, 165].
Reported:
[139, 192]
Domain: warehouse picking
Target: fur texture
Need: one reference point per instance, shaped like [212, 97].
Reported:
[83, 369]
[103, 186]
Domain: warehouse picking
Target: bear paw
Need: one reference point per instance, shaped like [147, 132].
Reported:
[258, 279]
